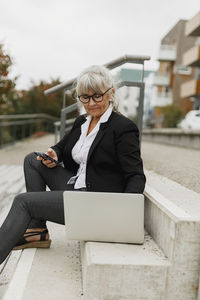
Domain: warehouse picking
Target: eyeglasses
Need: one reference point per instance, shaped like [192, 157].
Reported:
[96, 97]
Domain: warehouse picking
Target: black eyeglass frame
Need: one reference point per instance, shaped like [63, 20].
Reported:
[92, 96]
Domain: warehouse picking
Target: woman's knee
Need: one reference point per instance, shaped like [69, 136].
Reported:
[20, 200]
[29, 157]
[30, 161]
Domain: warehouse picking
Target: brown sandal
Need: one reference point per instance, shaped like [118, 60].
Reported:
[42, 243]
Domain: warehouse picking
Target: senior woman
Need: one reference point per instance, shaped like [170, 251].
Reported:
[101, 153]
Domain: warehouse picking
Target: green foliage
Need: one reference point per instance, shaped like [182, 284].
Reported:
[172, 115]
[6, 84]
[34, 100]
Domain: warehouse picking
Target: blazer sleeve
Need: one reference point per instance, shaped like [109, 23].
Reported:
[128, 152]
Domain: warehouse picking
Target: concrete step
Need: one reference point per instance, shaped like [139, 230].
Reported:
[11, 181]
[123, 271]
[51, 274]
[7, 270]
[2, 168]
[8, 267]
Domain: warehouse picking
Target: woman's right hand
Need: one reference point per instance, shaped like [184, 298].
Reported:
[48, 163]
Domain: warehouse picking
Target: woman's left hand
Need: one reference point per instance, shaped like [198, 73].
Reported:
[48, 163]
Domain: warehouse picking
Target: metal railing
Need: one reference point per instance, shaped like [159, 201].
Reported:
[111, 65]
[67, 85]
[18, 127]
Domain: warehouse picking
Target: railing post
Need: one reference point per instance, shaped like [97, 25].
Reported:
[140, 109]
[64, 112]
[56, 131]
[64, 98]
[14, 133]
[23, 132]
[1, 136]
[62, 123]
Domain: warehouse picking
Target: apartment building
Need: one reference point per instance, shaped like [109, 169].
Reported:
[172, 73]
[191, 58]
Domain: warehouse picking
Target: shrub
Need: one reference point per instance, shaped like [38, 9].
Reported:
[172, 115]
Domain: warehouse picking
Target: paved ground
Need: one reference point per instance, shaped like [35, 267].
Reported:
[14, 154]
[179, 164]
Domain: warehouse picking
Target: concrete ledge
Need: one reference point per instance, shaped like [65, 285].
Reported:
[173, 136]
[123, 271]
[176, 194]
[172, 217]
[18, 282]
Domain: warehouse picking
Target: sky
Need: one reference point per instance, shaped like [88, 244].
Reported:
[58, 38]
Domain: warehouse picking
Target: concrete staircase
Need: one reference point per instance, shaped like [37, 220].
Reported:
[165, 267]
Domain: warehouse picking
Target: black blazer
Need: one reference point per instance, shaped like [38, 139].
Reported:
[114, 163]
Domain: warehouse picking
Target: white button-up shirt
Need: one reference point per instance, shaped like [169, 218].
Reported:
[81, 148]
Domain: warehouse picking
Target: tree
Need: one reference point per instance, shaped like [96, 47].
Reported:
[35, 101]
[7, 85]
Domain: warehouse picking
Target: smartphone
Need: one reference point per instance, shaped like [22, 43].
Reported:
[45, 156]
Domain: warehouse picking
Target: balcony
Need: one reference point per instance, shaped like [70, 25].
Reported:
[162, 99]
[192, 27]
[167, 53]
[162, 79]
[192, 57]
[190, 89]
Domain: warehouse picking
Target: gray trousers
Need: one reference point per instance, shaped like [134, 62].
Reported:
[34, 208]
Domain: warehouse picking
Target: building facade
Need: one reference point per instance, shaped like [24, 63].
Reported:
[172, 73]
[191, 58]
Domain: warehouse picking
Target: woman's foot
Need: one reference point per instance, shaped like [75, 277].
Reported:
[34, 238]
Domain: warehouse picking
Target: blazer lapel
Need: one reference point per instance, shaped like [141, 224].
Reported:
[76, 132]
[99, 136]
[97, 139]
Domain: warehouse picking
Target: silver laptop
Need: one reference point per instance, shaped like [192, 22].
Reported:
[105, 217]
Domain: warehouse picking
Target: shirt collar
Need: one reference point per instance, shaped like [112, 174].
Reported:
[104, 118]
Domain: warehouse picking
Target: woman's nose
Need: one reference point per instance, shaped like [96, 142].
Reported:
[91, 102]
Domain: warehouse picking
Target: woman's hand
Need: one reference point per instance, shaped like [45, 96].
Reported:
[48, 163]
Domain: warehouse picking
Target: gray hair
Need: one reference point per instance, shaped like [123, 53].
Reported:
[98, 79]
